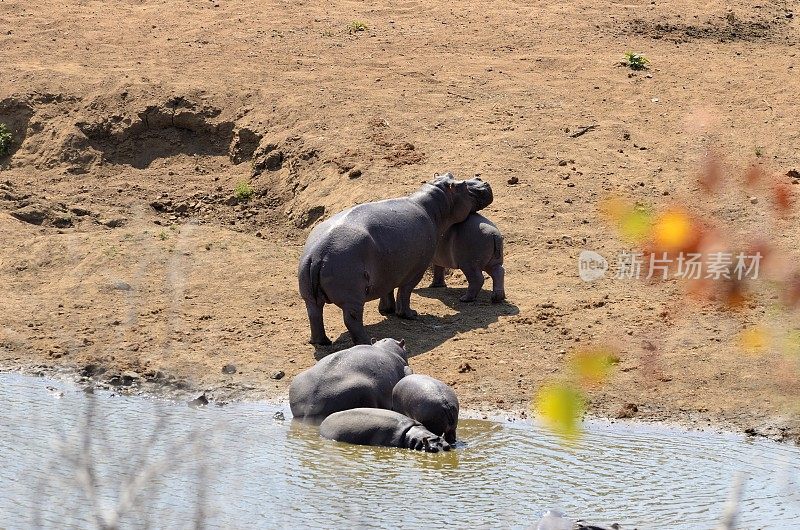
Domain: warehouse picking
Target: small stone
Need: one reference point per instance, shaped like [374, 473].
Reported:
[122, 286]
[753, 200]
[562, 163]
[112, 223]
[568, 201]
[513, 180]
[793, 173]
[464, 368]
[200, 401]
[229, 369]
[80, 212]
[30, 214]
[278, 375]
[354, 173]
[628, 410]
[279, 416]
[655, 100]
[128, 378]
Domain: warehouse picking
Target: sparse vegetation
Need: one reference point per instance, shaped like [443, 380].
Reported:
[635, 61]
[356, 26]
[163, 236]
[243, 191]
[5, 140]
[759, 152]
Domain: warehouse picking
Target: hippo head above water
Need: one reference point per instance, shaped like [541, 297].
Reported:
[464, 196]
[392, 346]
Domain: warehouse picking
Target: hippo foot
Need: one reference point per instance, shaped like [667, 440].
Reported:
[324, 341]
[436, 285]
[420, 439]
[409, 314]
[386, 311]
[498, 296]
[467, 298]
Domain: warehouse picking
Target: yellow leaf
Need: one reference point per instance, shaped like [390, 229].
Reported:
[754, 340]
[561, 408]
[593, 366]
[634, 225]
[791, 345]
[672, 230]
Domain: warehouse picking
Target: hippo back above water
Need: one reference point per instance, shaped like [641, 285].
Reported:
[367, 426]
[364, 253]
[361, 376]
[430, 402]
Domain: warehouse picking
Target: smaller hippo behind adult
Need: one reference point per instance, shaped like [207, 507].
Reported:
[474, 246]
[368, 426]
[430, 402]
[361, 376]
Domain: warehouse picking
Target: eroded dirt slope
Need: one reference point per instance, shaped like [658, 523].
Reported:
[124, 246]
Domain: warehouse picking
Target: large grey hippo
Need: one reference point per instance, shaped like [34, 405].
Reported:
[474, 246]
[430, 402]
[364, 253]
[361, 376]
[367, 426]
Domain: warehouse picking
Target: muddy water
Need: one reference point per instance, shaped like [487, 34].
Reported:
[238, 467]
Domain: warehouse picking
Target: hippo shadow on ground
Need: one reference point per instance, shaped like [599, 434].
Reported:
[430, 331]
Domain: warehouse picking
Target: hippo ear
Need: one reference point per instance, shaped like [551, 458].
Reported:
[373, 340]
[402, 343]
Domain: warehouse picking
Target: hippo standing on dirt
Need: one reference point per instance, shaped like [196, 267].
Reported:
[364, 253]
[474, 246]
[429, 401]
[361, 376]
[366, 426]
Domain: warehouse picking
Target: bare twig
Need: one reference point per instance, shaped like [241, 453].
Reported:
[728, 520]
[583, 130]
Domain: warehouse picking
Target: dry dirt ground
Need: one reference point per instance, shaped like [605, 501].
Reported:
[124, 248]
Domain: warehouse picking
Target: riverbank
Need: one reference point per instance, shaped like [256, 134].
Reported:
[161, 183]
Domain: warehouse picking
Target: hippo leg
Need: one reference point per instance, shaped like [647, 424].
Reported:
[475, 279]
[498, 274]
[438, 277]
[354, 320]
[403, 309]
[386, 305]
[318, 335]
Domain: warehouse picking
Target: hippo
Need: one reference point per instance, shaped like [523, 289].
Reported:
[387, 428]
[367, 251]
[474, 246]
[430, 402]
[361, 376]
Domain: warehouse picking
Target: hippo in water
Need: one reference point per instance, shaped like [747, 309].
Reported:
[474, 246]
[366, 426]
[364, 253]
[361, 376]
[429, 401]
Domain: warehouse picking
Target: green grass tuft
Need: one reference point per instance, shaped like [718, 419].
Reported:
[243, 191]
[635, 61]
[5, 140]
[356, 26]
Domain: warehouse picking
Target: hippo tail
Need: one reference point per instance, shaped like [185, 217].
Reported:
[498, 247]
[309, 280]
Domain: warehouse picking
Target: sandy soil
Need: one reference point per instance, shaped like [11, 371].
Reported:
[124, 248]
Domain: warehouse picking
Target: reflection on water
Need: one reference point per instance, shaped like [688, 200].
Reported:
[236, 467]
